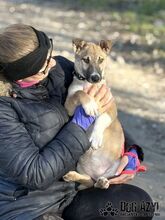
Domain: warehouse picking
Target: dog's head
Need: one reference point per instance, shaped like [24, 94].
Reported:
[91, 59]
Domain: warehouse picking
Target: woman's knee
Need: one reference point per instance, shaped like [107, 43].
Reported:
[113, 203]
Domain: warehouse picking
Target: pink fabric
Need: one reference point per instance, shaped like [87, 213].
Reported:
[130, 153]
[128, 171]
[140, 168]
[26, 84]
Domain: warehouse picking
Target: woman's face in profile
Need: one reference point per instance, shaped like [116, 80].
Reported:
[43, 73]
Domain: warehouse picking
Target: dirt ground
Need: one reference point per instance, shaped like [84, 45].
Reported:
[138, 89]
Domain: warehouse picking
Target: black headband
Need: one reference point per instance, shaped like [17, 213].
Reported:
[29, 64]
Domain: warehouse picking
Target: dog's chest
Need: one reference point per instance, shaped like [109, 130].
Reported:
[77, 85]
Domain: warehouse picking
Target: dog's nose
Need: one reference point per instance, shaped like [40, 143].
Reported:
[95, 77]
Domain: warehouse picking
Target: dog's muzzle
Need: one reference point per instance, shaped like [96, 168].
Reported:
[95, 78]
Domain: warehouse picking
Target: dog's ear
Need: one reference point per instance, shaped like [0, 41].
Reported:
[106, 45]
[78, 44]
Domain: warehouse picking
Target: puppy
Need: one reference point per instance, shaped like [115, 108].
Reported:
[101, 161]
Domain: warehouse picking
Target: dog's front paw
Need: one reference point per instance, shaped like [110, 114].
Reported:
[69, 108]
[102, 183]
[70, 176]
[91, 108]
[96, 139]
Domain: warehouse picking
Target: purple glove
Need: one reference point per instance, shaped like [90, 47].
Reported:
[133, 165]
[82, 119]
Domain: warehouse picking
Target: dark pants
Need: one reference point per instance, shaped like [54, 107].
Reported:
[119, 202]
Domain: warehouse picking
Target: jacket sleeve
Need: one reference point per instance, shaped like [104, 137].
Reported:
[24, 163]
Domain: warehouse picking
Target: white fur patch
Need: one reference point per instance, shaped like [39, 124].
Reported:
[101, 123]
[91, 108]
[102, 183]
[77, 85]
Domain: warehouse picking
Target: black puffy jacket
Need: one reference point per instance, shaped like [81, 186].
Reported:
[38, 146]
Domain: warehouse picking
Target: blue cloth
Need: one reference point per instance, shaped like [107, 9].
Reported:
[82, 119]
[132, 161]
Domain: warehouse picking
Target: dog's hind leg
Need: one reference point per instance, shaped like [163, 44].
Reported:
[73, 176]
[102, 183]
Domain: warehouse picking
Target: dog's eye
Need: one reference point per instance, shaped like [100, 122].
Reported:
[100, 60]
[86, 59]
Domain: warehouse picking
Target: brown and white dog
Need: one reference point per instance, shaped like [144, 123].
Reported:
[100, 162]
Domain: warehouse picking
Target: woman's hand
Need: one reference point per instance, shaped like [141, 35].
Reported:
[129, 166]
[122, 178]
[102, 96]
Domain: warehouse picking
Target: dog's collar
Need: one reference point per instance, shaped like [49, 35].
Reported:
[78, 76]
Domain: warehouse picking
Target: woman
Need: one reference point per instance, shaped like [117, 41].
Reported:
[38, 143]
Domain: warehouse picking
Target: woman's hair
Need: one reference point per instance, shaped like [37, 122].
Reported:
[16, 41]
